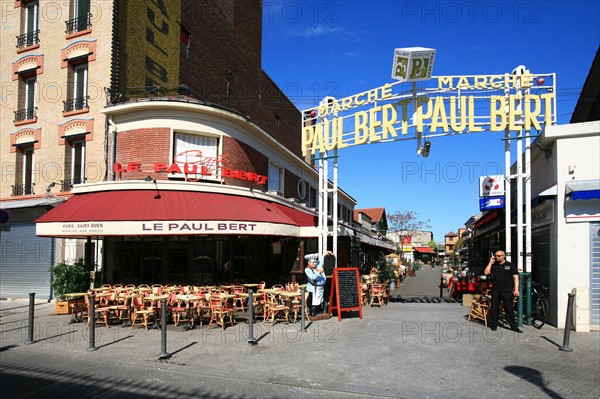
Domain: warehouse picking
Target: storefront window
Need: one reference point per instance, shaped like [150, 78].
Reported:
[198, 260]
[203, 261]
[197, 151]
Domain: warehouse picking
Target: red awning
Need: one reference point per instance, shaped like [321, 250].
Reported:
[150, 212]
[485, 219]
[424, 250]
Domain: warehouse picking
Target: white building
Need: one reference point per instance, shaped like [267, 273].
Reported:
[566, 210]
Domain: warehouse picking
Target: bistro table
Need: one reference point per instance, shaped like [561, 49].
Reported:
[76, 308]
[154, 304]
[100, 297]
[250, 285]
[128, 297]
[290, 295]
[189, 299]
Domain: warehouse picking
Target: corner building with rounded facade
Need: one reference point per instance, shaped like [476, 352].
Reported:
[176, 158]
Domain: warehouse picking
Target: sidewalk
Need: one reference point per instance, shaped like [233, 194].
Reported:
[409, 350]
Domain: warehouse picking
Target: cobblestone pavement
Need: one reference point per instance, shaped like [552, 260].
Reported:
[412, 350]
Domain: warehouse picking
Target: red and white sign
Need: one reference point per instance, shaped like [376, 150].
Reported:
[194, 166]
[491, 186]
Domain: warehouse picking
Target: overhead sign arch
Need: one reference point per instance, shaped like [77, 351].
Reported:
[420, 106]
[443, 106]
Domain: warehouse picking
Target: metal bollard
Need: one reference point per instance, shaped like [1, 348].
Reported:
[303, 307]
[92, 317]
[568, 322]
[30, 326]
[251, 340]
[163, 331]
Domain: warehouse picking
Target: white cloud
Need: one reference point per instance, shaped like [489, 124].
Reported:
[319, 30]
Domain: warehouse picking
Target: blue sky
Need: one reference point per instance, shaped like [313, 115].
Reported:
[317, 48]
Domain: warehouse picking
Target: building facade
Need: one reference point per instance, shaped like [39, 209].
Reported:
[145, 137]
[565, 213]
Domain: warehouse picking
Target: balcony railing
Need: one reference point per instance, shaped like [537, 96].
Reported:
[78, 24]
[28, 39]
[140, 93]
[22, 189]
[67, 185]
[25, 114]
[76, 104]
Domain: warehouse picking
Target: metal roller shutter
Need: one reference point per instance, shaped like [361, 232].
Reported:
[24, 262]
[595, 274]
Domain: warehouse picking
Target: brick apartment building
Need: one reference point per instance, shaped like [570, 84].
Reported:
[175, 152]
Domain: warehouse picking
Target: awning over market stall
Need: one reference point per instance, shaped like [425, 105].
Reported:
[583, 189]
[168, 212]
[424, 250]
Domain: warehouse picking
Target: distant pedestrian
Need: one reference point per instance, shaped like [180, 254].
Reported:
[505, 285]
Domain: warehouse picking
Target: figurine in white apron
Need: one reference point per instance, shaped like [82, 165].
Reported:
[316, 282]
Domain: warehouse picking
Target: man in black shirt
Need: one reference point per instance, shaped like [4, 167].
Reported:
[505, 284]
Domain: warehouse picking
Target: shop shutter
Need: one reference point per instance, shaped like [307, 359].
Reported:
[595, 274]
[24, 262]
[540, 268]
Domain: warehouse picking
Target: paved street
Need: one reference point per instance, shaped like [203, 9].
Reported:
[423, 287]
[408, 350]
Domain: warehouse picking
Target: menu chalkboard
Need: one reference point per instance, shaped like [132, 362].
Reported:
[345, 293]
[328, 265]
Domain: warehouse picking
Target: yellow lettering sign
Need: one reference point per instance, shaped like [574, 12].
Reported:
[514, 110]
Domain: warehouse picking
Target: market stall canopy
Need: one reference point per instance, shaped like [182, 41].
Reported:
[424, 250]
[148, 212]
[583, 189]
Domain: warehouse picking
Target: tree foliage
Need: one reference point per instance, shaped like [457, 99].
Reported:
[433, 245]
[406, 224]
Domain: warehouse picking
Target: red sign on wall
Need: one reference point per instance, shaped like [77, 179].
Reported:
[195, 167]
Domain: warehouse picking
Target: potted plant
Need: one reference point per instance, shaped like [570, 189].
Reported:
[68, 278]
[386, 274]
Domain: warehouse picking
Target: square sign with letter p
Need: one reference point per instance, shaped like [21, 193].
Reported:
[413, 64]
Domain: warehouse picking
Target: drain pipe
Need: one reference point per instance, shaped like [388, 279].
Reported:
[52, 260]
[113, 152]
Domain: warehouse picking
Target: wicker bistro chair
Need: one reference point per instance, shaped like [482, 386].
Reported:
[219, 311]
[79, 310]
[140, 312]
[364, 293]
[202, 307]
[178, 311]
[297, 306]
[239, 302]
[377, 295]
[118, 306]
[100, 313]
[259, 305]
[274, 308]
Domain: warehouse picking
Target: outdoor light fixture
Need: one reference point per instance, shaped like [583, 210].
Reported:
[425, 149]
[150, 179]
[49, 188]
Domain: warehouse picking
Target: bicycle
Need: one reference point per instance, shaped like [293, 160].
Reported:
[540, 307]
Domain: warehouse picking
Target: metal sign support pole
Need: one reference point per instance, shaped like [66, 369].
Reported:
[324, 190]
[508, 198]
[335, 204]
